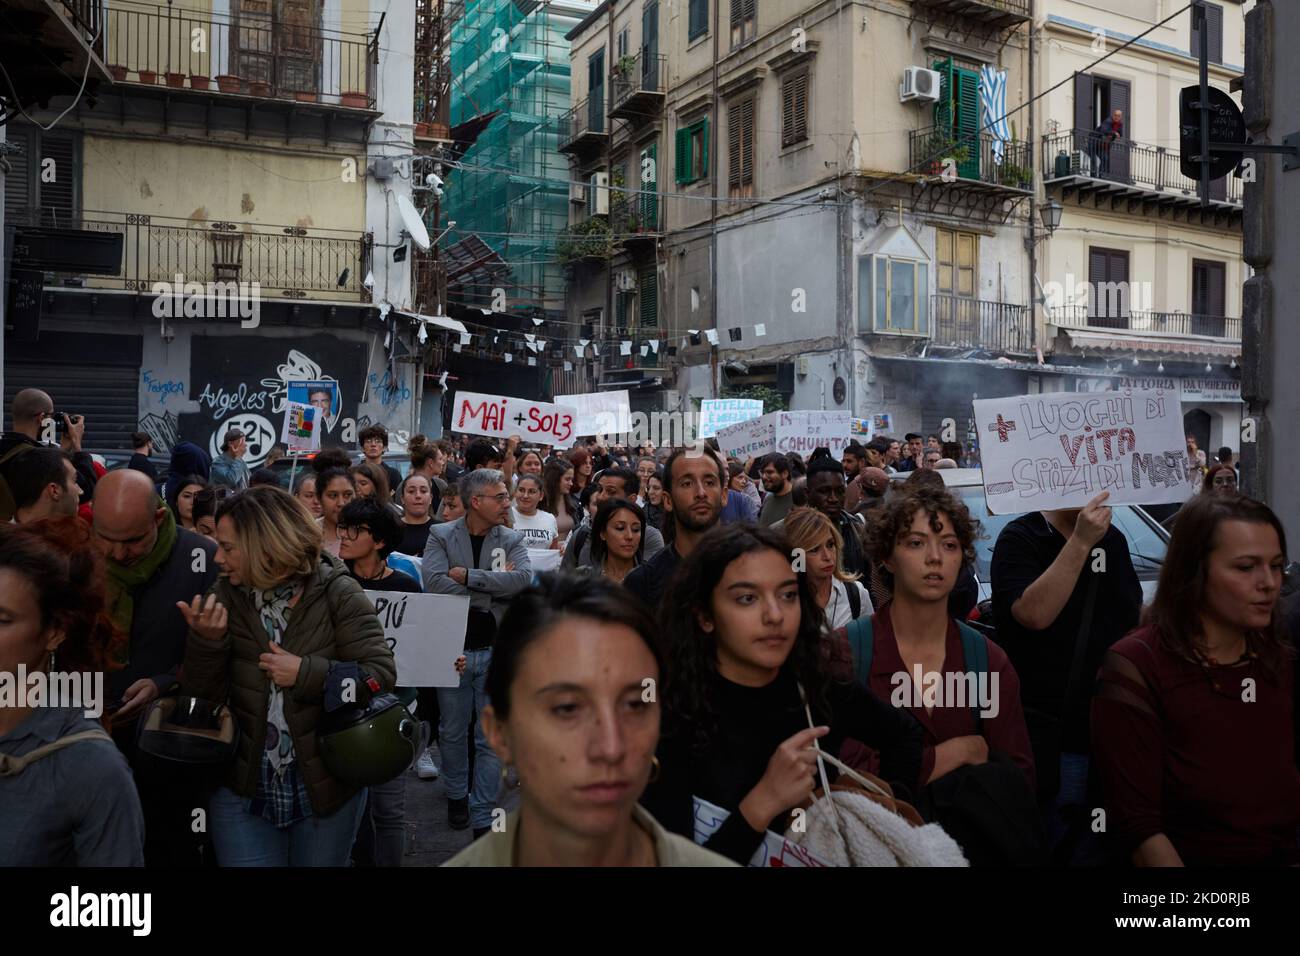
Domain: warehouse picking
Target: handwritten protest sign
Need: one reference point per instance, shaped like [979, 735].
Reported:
[803, 432]
[1044, 452]
[301, 431]
[426, 633]
[719, 413]
[601, 413]
[749, 439]
[500, 417]
[544, 559]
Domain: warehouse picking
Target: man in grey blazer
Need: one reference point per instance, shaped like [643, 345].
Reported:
[479, 556]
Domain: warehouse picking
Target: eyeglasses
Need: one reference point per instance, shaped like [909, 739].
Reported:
[352, 532]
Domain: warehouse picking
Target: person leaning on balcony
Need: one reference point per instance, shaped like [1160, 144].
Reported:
[1107, 133]
[229, 468]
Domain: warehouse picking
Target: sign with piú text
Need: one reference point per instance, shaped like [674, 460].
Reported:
[425, 632]
[1046, 452]
[500, 417]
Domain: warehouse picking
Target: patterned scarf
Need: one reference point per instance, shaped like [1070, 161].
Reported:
[273, 609]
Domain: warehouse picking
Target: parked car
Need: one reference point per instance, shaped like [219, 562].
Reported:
[1147, 539]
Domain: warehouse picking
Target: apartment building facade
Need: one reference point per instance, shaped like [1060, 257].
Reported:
[812, 184]
[243, 146]
[1140, 282]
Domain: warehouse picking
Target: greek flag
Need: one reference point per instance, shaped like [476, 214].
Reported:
[993, 98]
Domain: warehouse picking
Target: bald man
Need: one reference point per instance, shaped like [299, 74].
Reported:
[31, 412]
[151, 564]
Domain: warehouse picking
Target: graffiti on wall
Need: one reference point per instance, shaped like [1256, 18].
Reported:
[162, 429]
[159, 388]
[244, 381]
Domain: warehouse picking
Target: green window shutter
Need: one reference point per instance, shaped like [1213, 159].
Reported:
[943, 108]
[966, 102]
[649, 188]
[647, 287]
[704, 151]
[682, 154]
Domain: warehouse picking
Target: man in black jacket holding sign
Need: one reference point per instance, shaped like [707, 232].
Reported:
[1064, 590]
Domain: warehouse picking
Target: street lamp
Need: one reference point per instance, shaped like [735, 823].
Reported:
[1050, 213]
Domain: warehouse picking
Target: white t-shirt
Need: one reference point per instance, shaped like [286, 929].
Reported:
[838, 610]
[538, 530]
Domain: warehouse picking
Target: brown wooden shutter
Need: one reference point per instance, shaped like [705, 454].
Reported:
[1085, 120]
[747, 148]
[735, 119]
[794, 108]
[58, 199]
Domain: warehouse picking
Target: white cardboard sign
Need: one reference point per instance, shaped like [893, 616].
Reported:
[750, 438]
[426, 633]
[719, 413]
[500, 417]
[1046, 452]
[601, 413]
[804, 432]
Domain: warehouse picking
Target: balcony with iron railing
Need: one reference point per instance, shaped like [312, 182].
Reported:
[583, 128]
[981, 159]
[285, 261]
[1084, 164]
[635, 217]
[256, 55]
[963, 323]
[998, 14]
[639, 86]
[1115, 316]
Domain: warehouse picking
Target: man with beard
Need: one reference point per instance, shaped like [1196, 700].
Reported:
[775, 475]
[826, 494]
[695, 492]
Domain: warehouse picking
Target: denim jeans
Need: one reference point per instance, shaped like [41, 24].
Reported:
[457, 706]
[381, 840]
[1071, 816]
[241, 839]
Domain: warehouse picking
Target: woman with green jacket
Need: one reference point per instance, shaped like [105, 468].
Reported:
[264, 640]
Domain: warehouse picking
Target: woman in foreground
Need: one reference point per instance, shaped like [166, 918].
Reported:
[570, 712]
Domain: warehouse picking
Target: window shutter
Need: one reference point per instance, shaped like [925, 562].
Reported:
[794, 108]
[650, 189]
[699, 19]
[1084, 120]
[58, 199]
[647, 287]
[737, 12]
[20, 191]
[735, 119]
[747, 152]
[682, 155]
[1214, 20]
[704, 150]
[966, 102]
[943, 108]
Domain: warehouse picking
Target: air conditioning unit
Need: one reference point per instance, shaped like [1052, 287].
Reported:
[598, 200]
[577, 192]
[802, 366]
[625, 280]
[919, 84]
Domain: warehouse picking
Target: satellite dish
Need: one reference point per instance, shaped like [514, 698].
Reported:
[414, 224]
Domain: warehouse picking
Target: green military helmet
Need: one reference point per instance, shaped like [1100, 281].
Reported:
[371, 744]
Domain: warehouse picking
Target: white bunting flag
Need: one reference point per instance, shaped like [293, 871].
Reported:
[760, 330]
[625, 347]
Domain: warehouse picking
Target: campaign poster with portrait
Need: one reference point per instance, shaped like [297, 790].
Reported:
[323, 395]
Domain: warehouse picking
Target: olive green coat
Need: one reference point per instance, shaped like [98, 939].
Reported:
[332, 621]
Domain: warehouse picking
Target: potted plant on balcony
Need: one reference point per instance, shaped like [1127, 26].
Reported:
[118, 72]
[229, 83]
[259, 87]
[1009, 174]
[626, 64]
[175, 80]
[199, 82]
[422, 130]
[354, 100]
[148, 76]
[305, 96]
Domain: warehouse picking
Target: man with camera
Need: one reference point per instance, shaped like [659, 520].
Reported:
[36, 423]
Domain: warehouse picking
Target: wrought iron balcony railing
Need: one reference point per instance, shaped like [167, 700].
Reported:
[977, 323]
[639, 84]
[255, 54]
[975, 158]
[583, 125]
[1171, 323]
[1129, 163]
[285, 261]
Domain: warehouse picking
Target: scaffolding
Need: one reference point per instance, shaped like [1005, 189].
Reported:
[512, 190]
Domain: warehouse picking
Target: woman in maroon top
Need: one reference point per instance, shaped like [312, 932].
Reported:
[923, 539]
[1192, 721]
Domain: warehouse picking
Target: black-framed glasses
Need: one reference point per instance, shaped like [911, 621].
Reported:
[352, 532]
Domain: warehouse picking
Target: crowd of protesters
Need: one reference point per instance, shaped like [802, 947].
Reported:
[654, 638]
